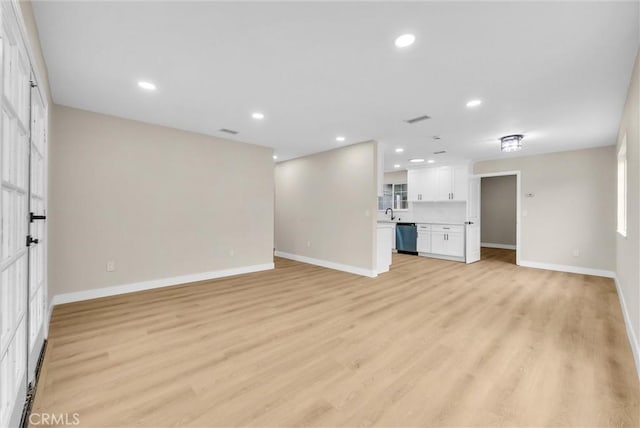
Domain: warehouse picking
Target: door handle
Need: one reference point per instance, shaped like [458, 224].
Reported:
[33, 217]
[468, 222]
[31, 240]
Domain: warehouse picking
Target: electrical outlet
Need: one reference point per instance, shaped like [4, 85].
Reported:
[111, 266]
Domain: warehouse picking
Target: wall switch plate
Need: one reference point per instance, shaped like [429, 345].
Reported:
[111, 266]
[232, 253]
[576, 253]
[308, 243]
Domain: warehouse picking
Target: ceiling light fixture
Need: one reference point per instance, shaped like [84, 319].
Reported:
[405, 40]
[474, 103]
[257, 115]
[511, 143]
[340, 138]
[147, 85]
[416, 160]
[430, 161]
[396, 166]
[399, 150]
[275, 157]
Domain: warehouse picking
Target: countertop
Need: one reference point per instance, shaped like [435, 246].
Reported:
[453, 223]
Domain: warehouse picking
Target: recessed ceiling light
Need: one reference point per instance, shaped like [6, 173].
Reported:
[147, 85]
[399, 150]
[416, 160]
[430, 161]
[257, 115]
[474, 103]
[340, 138]
[275, 156]
[405, 40]
[396, 166]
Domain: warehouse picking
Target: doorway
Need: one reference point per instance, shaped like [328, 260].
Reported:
[499, 196]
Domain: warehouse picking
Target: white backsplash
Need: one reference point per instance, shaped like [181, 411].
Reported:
[430, 212]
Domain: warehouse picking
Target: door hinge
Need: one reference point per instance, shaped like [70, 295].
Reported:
[31, 240]
[33, 84]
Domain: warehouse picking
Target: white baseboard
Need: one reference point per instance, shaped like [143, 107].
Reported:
[631, 334]
[327, 264]
[502, 246]
[59, 299]
[569, 269]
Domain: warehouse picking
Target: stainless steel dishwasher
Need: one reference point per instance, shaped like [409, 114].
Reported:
[406, 238]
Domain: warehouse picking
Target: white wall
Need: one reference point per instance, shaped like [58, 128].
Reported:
[573, 207]
[628, 248]
[395, 177]
[326, 206]
[158, 201]
[498, 210]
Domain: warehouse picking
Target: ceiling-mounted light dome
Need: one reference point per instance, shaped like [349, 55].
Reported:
[147, 85]
[511, 143]
[405, 40]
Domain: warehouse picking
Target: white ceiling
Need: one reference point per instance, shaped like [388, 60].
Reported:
[557, 72]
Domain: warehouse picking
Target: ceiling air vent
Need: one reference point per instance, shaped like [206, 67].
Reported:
[228, 131]
[440, 152]
[417, 119]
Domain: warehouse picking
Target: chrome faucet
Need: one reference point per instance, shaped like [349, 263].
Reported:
[387, 212]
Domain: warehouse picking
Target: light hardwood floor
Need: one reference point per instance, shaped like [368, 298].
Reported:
[431, 343]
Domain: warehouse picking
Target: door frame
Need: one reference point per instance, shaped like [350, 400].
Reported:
[517, 173]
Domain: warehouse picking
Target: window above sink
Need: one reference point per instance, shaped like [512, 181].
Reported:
[394, 196]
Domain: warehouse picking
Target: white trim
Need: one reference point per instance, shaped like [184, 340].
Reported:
[59, 299]
[327, 264]
[502, 246]
[569, 269]
[631, 334]
[518, 206]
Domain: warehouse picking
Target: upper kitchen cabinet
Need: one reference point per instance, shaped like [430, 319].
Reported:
[452, 183]
[443, 183]
[421, 184]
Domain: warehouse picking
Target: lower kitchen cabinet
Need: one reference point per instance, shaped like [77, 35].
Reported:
[447, 241]
[423, 243]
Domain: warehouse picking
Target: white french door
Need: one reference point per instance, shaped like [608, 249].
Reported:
[37, 229]
[22, 186]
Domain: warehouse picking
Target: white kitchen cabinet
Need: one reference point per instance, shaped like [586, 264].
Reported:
[423, 244]
[452, 183]
[455, 244]
[443, 183]
[419, 183]
[460, 183]
[447, 240]
[384, 246]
